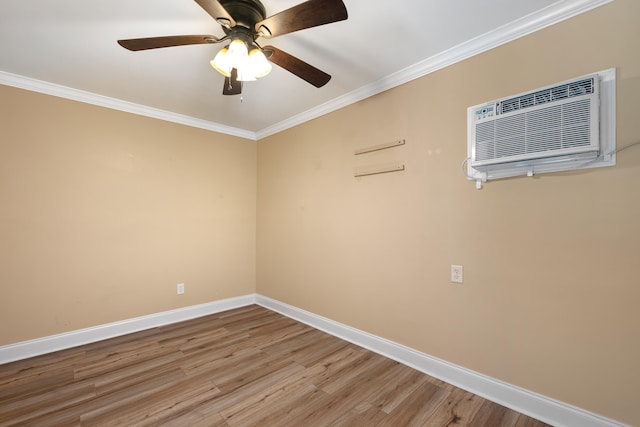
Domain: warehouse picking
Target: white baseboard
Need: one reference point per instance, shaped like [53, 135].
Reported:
[535, 405]
[26, 349]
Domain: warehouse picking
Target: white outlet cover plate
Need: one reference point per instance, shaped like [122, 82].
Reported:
[457, 273]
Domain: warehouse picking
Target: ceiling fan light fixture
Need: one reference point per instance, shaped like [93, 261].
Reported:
[238, 54]
[222, 62]
[256, 67]
[246, 75]
[250, 66]
[258, 64]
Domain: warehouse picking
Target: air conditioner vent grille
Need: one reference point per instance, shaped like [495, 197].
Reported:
[563, 126]
[544, 130]
[556, 93]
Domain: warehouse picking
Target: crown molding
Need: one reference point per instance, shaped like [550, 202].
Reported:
[553, 14]
[60, 91]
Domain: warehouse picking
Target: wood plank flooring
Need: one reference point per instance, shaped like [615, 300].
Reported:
[244, 367]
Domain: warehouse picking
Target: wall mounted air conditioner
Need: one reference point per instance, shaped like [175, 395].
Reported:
[568, 125]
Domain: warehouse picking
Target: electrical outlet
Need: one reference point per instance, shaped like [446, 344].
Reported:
[456, 273]
[180, 288]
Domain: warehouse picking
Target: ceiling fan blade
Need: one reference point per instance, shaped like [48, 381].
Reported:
[305, 71]
[217, 12]
[167, 41]
[232, 86]
[305, 15]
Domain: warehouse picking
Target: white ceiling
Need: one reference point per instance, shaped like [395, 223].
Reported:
[68, 48]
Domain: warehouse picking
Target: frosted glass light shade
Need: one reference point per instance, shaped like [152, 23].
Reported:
[238, 53]
[222, 62]
[250, 66]
[258, 63]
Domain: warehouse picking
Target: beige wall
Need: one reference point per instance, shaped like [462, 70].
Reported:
[102, 213]
[551, 292]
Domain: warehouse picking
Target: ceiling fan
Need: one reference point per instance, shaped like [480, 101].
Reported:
[243, 22]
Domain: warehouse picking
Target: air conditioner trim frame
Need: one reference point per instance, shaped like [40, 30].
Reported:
[599, 155]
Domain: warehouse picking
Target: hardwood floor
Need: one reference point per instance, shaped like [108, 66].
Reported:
[244, 367]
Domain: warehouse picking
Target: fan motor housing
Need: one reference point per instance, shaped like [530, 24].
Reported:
[245, 12]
